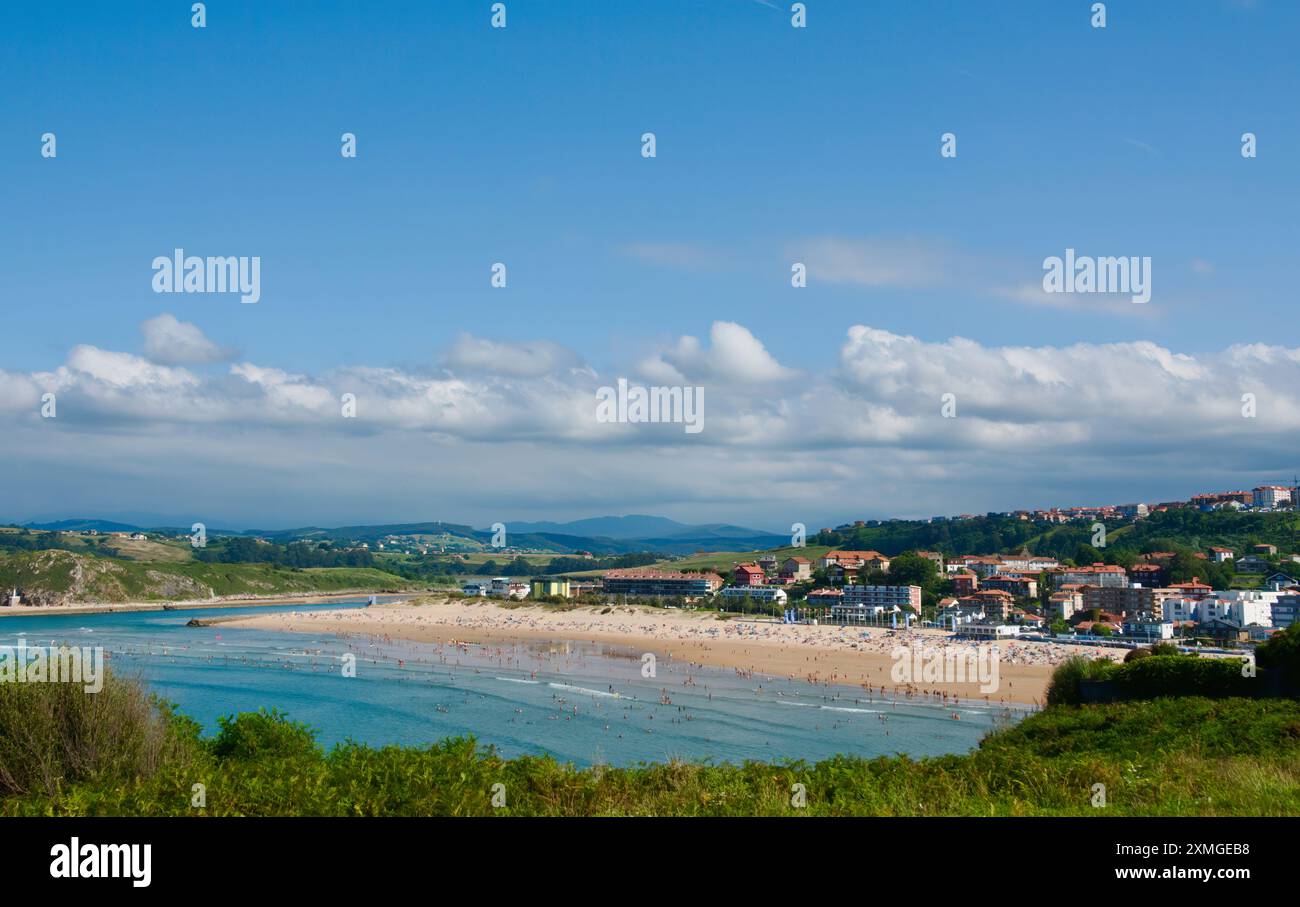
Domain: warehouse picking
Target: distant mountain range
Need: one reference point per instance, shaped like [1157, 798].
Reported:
[632, 526]
[599, 535]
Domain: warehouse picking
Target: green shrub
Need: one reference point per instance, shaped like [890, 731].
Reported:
[53, 734]
[1282, 651]
[1180, 675]
[263, 735]
[1063, 688]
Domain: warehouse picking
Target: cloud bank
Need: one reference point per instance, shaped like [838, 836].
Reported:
[496, 428]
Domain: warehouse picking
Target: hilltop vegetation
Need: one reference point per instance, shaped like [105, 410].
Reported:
[59, 577]
[64, 752]
[1185, 532]
[1164, 531]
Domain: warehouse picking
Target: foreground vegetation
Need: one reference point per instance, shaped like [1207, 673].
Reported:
[63, 752]
[1161, 671]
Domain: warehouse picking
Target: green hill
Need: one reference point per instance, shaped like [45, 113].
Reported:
[1185, 528]
[57, 577]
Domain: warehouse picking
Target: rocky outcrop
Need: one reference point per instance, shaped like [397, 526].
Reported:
[57, 577]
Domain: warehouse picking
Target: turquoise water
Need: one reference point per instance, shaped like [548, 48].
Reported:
[580, 702]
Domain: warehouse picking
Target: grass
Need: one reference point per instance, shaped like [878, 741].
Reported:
[174, 552]
[1184, 756]
[723, 561]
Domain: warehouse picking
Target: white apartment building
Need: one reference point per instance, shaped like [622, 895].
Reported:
[1285, 610]
[876, 599]
[1242, 607]
[1180, 609]
[757, 593]
[1271, 495]
[1149, 629]
[990, 631]
[1064, 605]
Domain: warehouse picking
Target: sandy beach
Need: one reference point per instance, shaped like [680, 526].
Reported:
[858, 656]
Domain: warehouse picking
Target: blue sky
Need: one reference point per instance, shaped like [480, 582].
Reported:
[521, 145]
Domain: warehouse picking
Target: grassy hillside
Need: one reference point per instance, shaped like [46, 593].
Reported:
[67, 577]
[722, 561]
[113, 753]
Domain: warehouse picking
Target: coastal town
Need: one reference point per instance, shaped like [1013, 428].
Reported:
[1091, 576]
[991, 595]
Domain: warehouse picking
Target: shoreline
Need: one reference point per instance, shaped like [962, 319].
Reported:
[307, 598]
[818, 655]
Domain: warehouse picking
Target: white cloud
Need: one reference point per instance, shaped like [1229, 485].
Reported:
[1032, 293]
[123, 370]
[734, 356]
[491, 432]
[172, 342]
[520, 360]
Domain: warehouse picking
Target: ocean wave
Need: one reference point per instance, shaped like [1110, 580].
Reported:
[589, 692]
[845, 708]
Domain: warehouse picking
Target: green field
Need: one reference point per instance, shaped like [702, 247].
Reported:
[723, 561]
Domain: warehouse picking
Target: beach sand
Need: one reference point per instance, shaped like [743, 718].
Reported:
[857, 656]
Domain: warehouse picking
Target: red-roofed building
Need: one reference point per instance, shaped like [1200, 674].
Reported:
[1194, 589]
[1095, 575]
[1150, 576]
[965, 582]
[1019, 586]
[995, 602]
[872, 560]
[794, 569]
[749, 575]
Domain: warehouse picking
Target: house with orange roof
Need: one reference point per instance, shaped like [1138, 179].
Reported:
[872, 560]
[795, 569]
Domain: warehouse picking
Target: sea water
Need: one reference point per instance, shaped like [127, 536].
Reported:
[580, 702]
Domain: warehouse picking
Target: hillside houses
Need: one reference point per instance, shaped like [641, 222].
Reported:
[842, 563]
[796, 570]
[1092, 575]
